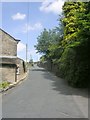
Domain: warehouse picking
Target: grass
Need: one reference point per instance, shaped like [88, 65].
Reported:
[4, 84]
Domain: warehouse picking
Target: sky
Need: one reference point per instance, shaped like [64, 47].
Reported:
[26, 20]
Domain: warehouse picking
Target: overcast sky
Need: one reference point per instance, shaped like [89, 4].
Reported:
[25, 21]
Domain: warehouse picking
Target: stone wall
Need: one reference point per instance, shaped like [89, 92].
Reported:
[48, 65]
[22, 68]
[8, 46]
[8, 70]
[8, 73]
[21, 65]
[55, 69]
[0, 42]
[9, 60]
[0, 71]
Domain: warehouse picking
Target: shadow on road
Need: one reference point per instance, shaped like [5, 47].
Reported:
[42, 70]
[61, 85]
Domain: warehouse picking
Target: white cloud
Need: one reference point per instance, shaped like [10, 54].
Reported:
[21, 47]
[18, 16]
[36, 26]
[55, 6]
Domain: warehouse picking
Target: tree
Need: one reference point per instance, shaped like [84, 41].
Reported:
[71, 28]
[46, 39]
[43, 42]
[74, 60]
[67, 45]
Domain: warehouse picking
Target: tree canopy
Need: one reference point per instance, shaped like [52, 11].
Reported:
[67, 44]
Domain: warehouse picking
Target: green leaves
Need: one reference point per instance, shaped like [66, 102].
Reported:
[47, 40]
[4, 84]
[43, 42]
[67, 44]
[74, 60]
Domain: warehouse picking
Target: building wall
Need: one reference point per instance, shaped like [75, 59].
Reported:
[8, 46]
[8, 73]
[22, 68]
[0, 43]
[9, 70]
[21, 65]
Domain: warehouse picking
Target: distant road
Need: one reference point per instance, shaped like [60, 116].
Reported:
[43, 95]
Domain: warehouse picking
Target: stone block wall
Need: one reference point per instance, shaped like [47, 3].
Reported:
[8, 73]
[21, 65]
[8, 46]
[50, 67]
[22, 68]
[8, 51]
[0, 42]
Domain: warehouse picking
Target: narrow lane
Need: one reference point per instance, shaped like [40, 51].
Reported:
[41, 95]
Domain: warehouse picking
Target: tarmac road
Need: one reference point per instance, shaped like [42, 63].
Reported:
[43, 95]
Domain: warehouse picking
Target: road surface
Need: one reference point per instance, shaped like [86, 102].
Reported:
[43, 95]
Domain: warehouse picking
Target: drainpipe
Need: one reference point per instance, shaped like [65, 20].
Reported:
[15, 73]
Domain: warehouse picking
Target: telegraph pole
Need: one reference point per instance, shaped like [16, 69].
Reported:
[27, 34]
[26, 52]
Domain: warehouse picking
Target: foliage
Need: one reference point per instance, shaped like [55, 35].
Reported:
[47, 39]
[74, 65]
[70, 21]
[74, 60]
[68, 44]
[4, 84]
[44, 41]
[43, 58]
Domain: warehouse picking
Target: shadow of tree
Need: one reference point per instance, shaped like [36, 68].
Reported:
[61, 85]
[42, 70]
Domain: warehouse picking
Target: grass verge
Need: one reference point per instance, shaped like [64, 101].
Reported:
[4, 84]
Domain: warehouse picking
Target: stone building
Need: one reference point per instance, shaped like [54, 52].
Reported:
[11, 66]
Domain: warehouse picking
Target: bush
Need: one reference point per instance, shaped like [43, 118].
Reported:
[74, 65]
